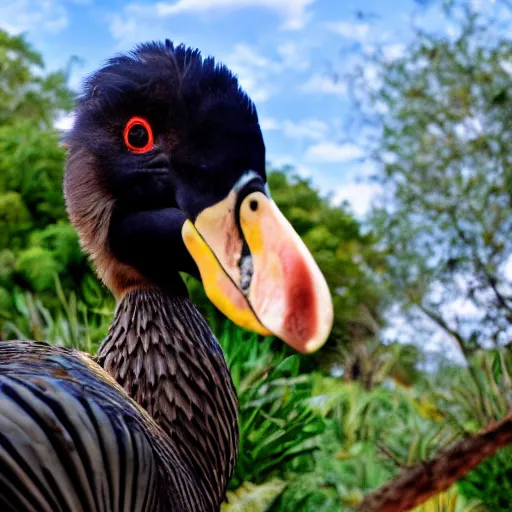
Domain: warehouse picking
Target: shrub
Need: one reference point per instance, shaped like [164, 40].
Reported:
[491, 482]
[38, 268]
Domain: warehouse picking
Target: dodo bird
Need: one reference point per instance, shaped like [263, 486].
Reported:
[165, 174]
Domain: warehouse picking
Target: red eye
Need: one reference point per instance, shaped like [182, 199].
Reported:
[138, 135]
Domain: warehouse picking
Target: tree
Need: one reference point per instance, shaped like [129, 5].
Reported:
[441, 116]
[25, 93]
[439, 128]
[36, 241]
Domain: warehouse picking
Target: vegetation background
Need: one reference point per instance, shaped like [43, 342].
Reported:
[319, 432]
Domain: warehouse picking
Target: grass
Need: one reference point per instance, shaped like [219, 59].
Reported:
[313, 442]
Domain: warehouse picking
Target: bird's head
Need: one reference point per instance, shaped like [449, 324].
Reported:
[166, 174]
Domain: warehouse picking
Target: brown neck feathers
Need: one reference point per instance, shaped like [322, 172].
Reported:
[161, 350]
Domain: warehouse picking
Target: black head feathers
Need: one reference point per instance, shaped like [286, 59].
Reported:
[195, 106]
[177, 75]
[204, 129]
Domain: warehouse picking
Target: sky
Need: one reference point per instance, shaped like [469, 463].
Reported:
[285, 53]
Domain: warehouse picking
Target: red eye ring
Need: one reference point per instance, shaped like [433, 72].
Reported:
[140, 141]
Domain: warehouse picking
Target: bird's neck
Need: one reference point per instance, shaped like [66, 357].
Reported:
[164, 354]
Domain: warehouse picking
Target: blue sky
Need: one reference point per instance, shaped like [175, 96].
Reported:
[282, 50]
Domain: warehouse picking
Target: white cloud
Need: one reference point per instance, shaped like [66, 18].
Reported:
[123, 27]
[358, 195]
[244, 55]
[137, 23]
[507, 268]
[269, 124]
[295, 13]
[469, 128]
[65, 122]
[278, 161]
[330, 152]
[393, 51]
[323, 84]
[351, 30]
[462, 307]
[506, 65]
[313, 129]
[292, 56]
[257, 73]
[29, 15]
[253, 71]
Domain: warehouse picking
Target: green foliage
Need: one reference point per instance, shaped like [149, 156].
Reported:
[70, 324]
[452, 501]
[491, 482]
[31, 164]
[24, 92]
[6, 302]
[14, 219]
[36, 240]
[443, 154]
[277, 426]
[37, 268]
[330, 440]
[475, 398]
[336, 478]
[253, 498]
[7, 266]
[61, 241]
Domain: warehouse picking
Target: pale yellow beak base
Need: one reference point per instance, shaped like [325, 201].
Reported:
[287, 296]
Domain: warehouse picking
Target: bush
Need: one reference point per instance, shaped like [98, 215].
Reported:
[7, 267]
[38, 269]
[277, 426]
[14, 218]
[62, 242]
[491, 482]
[6, 302]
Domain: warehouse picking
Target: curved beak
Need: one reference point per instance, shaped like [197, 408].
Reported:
[256, 269]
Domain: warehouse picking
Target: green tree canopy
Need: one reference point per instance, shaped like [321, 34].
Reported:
[36, 241]
[444, 129]
[25, 91]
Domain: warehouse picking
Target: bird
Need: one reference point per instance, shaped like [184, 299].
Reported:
[164, 175]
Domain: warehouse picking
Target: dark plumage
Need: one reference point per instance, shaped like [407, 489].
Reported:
[125, 209]
[165, 173]
[206, 126]
[160, 349]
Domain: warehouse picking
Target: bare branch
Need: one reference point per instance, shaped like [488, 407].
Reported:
[441, 322]
[480, 265]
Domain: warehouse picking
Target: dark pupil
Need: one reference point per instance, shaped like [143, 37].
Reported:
[138, 136]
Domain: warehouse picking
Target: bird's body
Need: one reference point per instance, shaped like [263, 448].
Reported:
[165, 174]
[76, 440]
[71, 440]
[164, 354]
